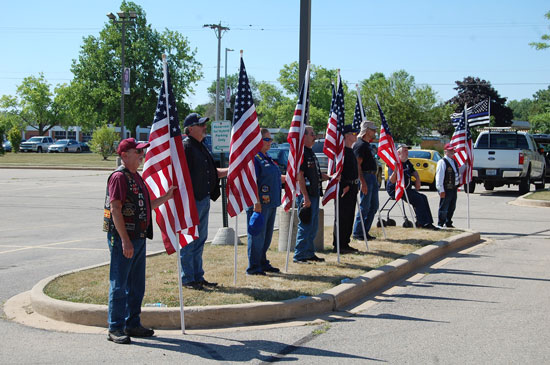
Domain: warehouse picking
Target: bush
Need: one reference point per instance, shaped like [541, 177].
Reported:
[104, 141]
[14, 136]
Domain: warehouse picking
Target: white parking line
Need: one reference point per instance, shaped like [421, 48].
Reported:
[49, 246]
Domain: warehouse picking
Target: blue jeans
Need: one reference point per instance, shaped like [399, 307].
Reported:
[368, 205]
[421, 206]
[126, 284]
[447, 207]
[191, 255]
[259, 244]
[305, 247]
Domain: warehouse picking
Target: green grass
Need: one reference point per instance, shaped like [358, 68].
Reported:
[539, 195]
[88, 160]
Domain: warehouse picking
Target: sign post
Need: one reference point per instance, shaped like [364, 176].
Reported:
[221, 141]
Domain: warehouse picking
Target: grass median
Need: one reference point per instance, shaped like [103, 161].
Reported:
[539, 195]
[91, 286]
[57, 160]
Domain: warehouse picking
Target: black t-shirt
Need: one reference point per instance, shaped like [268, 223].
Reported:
[349, 172]
[312, 173]
[202, 169]
[363, 150]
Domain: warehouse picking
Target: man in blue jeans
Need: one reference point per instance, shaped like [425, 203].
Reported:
[127, 219]
[310, 179]
[205, 180]
[369, 185]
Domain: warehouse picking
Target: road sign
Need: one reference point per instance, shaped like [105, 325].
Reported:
[221, 136]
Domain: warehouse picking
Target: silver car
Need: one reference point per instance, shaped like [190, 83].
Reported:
[65, 145]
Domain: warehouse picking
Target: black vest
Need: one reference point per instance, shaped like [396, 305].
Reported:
[134, 209]
[449, 181]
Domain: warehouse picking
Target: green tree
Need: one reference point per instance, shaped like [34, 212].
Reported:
[97, 72]
[14, 136]
[539, 111]
[103, 141]
[521, 108]
[9, 113]
[411, 111]
[472, 90]
[36, 103]
[545, 38]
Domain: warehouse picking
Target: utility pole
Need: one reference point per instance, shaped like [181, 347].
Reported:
[218, 30]
[123, 18]
[305, 39]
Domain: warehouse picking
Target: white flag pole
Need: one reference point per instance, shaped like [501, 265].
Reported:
[178, 248]
[358, 199]
[293, 210]
[236, 243]
[467, 182]
[411, 211]
[338, 222]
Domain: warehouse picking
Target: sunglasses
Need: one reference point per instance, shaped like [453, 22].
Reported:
[267, 139]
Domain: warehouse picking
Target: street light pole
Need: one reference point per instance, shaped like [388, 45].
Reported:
[124, 18]
[225, 86]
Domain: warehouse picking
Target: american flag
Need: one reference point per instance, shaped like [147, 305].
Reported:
[166, 166]
[334, 142]
[388, 153]
[479, 114]
[246, 142]
[358, 115]
[461, 141]
[296, 140]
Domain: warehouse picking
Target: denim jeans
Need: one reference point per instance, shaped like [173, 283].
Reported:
[421, 206]
[126, 284]
[305, 247]
[447, 207]
[259, 244]
[368, 205]
[191, 255]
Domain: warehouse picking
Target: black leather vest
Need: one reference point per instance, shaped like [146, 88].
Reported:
[449, 181]
[134, 209]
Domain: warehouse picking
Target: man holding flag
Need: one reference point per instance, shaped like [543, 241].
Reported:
[205, 180]
[127, 219]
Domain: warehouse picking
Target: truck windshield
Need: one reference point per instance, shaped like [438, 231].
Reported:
[502, 141]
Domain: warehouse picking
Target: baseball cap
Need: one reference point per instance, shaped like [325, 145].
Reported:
[448, 147]
[255, 224]
[349, 129]
[194, 119]
[366, 126]
[129, 143]
[404, 145]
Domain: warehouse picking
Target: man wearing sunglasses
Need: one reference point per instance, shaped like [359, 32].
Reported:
[127, 219]
[205, 178]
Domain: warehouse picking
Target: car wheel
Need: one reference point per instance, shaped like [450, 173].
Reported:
[39, 150]
[488, 186]
[78, 150]
[540, 185]
[525, 184]
[432, 186]
[66, 150]
[471, 187]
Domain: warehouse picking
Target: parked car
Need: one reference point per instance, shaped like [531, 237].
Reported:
[36, 144]
[6, 145]
[425, 163]
[84, 147]
[503, 156]
[65, 145]
[543, 142]
[280, 157]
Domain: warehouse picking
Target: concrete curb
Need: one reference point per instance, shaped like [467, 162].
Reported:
[523, 201]
[335, 299]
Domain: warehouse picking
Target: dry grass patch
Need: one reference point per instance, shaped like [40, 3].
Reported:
[91, 286]
[90, 160]
[539, 195]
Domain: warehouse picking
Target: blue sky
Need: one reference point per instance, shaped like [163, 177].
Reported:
[437, 42]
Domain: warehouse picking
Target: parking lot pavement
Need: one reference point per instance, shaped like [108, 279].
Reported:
[489, 302]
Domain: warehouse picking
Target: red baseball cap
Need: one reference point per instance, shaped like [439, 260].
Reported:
[448, 147]
[128, 144]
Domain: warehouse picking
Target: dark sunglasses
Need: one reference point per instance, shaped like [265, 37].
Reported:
[267, 139]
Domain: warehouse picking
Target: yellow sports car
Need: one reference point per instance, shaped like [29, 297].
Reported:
[425, 163]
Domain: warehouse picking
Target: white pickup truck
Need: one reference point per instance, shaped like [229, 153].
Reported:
[503, 156]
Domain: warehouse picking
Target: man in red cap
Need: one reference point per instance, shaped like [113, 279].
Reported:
[127, 219]
[447, 179]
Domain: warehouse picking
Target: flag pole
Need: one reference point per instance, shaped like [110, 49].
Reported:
[292, 211]
[411, 211]
[358, 199]
[468, 167]
[235, 255]
[337, 187]
[178, 248]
